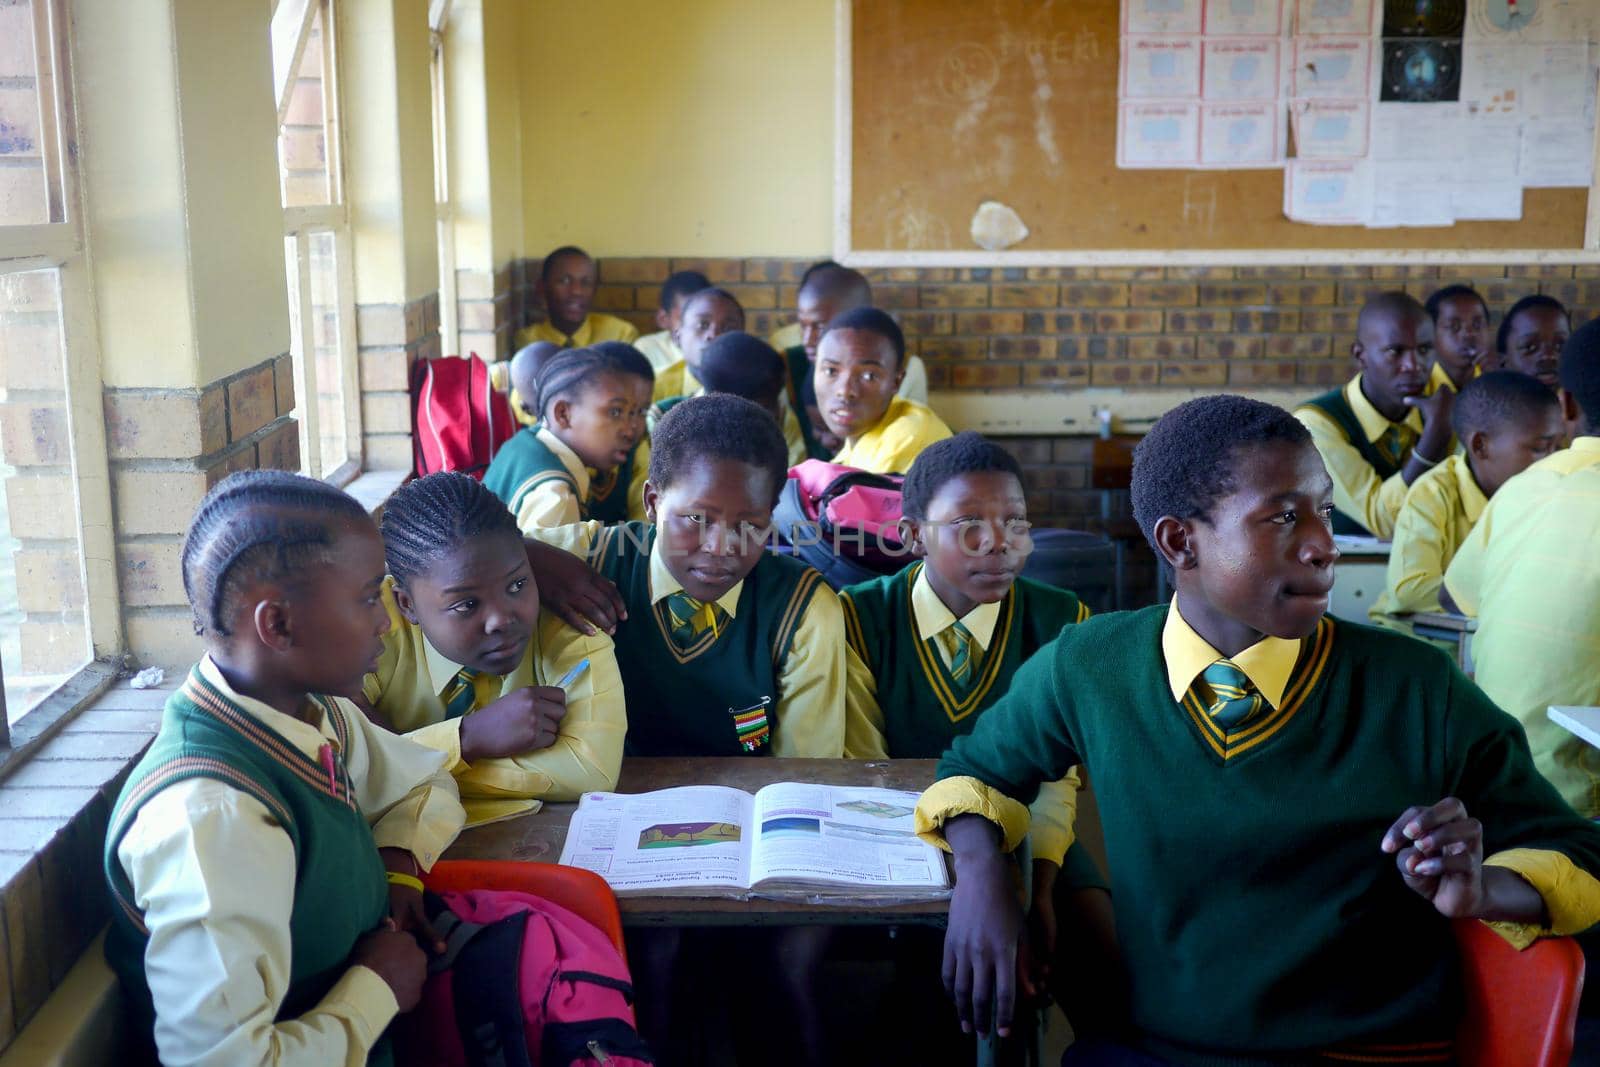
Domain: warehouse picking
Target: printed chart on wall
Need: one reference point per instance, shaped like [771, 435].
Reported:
[1029, 126]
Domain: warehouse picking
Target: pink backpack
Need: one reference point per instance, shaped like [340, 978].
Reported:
[523, 983]
[459, 420]
[842, 520]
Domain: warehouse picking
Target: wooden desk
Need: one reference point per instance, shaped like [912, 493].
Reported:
[539, 837]
[1585, 722]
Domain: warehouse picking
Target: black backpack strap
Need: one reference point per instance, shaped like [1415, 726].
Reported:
[487, 994]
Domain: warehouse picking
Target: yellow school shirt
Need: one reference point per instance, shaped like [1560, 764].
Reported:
[552, 502]
[786, 337]
[1440, 510]
[500, 381]
[673, 380]
[1530, 572]
[1357, 490]
[597, 327]
[660, 349]
[1055, 809]
[587, 753]
[890, 446]
[792, 436]
[1437, 378]
[811, 685]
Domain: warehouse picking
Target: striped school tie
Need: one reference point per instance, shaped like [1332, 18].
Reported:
[1396, 443]
[691, 618]
[1235, 698]
[460, 696]
[960, 648]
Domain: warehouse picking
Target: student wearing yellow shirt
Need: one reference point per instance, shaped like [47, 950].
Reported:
[707, 315]
[470, 664]
[661, 348]
[746, 366]
[1379, 433]
[1505, 421]
[1531, 337]
[859, 365]
[567, 281]
[518, 376]
[1460, 334]
[1530, 572]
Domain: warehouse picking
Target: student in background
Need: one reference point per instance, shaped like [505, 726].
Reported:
[1505, 421]
[746, 366]
[659, 347]
[1530, 572]
[517, 377]
[470, 664]
[264, 852]
[936, 645]
[1380, 432]
[787, 337]
[618, 495]
[567, 280]
[591, 407]
[707, 315]
[859, 364]
[1531, 337]
[1257, 761]
[1460, 334]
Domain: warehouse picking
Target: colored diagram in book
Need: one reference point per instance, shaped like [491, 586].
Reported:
[878, 809]
[791, 826]
[866, 833]
[688, 834]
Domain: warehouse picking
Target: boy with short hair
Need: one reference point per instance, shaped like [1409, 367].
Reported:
[517, 378]
[567, 281]
[860, 363]
[1530, 572]
[660, 348]
[1504, 421]
[1259, 766]
[788, 336]
[1379, 433]
[1461, 336]
[745, 366]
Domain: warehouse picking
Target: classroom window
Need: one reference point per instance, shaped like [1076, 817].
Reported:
[52, 453]
[444, 211]
[316, 239]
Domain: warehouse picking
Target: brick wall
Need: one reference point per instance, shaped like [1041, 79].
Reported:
[390, 338]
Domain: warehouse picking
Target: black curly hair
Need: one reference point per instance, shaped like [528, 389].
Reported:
[717, 426]
[566, 374]
[968, 452]
[1528, 303]
[873, 320]
[1580, 371]
[1499, 396]
[431, 517]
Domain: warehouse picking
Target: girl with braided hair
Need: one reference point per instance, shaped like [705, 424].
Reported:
[264, 853]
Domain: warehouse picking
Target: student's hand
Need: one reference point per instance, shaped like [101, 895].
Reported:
[1436, 431]
[980, 943]
[521, 721]
[1039, 947]
[405, 902]
[1439, 851]
[567, 586]
[396, 959]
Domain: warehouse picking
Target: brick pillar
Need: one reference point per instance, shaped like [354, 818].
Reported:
[486, 306]
[391, 338]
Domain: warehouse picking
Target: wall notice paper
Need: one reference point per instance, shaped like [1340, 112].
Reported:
[1429, 133]
[1165, 68]
[1532, 20]
[1490, 187]
[1492, 76]
[1328, 193]
[1556, 153]
[1255, 18]
[790, 841]
[1332, 67]
[1158, 135]
[1239, 69]
[1560, 82]
[1330, 129]
[1240, 136]
[1408, 193]
[1333, 16]
[1160, 16]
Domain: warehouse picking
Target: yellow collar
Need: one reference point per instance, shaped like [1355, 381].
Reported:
[1267, 663]
[308, 739]
[663, 584]
[1472, 499]
[569, 459]
[933, 617]
[1372, 421]
[896, 408]
[1588, 443]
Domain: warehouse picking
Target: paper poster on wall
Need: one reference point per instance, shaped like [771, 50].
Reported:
[1559, 82]
[1239, 69]
[1556, 153]
[1424, 133]
[1422, 70]
[1408, 194]
[1532, 20]
[1333, 16]
[1332, 67]
[1492, 77]
[1240, 18]
[1241, 136]
[1327, 193]
[1424, 18]
[1158, 135]
[1160, 16]
[1330, 129]
[1164, 68]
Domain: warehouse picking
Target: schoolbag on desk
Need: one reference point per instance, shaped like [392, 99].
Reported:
[459, 421]
[523, 983]
[842, 520]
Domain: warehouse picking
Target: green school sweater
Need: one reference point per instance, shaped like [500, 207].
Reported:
[923, 711]
[1257, 915]
[340, 890]
[1334, 405]
[720, 697]
[524, 463]
[608, 493]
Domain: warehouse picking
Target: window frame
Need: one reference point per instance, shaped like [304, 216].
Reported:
[443, 203]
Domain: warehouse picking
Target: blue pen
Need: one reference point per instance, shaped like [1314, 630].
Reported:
[574, 674]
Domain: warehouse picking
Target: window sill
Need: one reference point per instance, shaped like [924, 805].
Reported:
[372, 488]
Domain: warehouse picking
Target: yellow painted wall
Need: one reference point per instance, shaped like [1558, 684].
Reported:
[659, 128]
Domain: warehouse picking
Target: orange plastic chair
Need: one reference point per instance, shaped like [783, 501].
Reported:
[1520, 1007]
[581, 892]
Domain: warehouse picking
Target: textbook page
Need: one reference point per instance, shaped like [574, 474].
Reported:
[692, 837]
[860, 837]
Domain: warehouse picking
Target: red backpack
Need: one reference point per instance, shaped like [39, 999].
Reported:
[523, 983]
[458, 420]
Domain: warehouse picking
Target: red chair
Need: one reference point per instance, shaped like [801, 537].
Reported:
[1520, 1007]
[581, 892]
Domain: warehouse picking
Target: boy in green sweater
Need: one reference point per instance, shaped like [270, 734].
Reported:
[1261, 769]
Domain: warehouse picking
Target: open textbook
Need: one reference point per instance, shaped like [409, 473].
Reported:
[830, 844]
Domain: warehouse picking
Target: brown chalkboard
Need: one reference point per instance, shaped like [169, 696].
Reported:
[954, 102]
